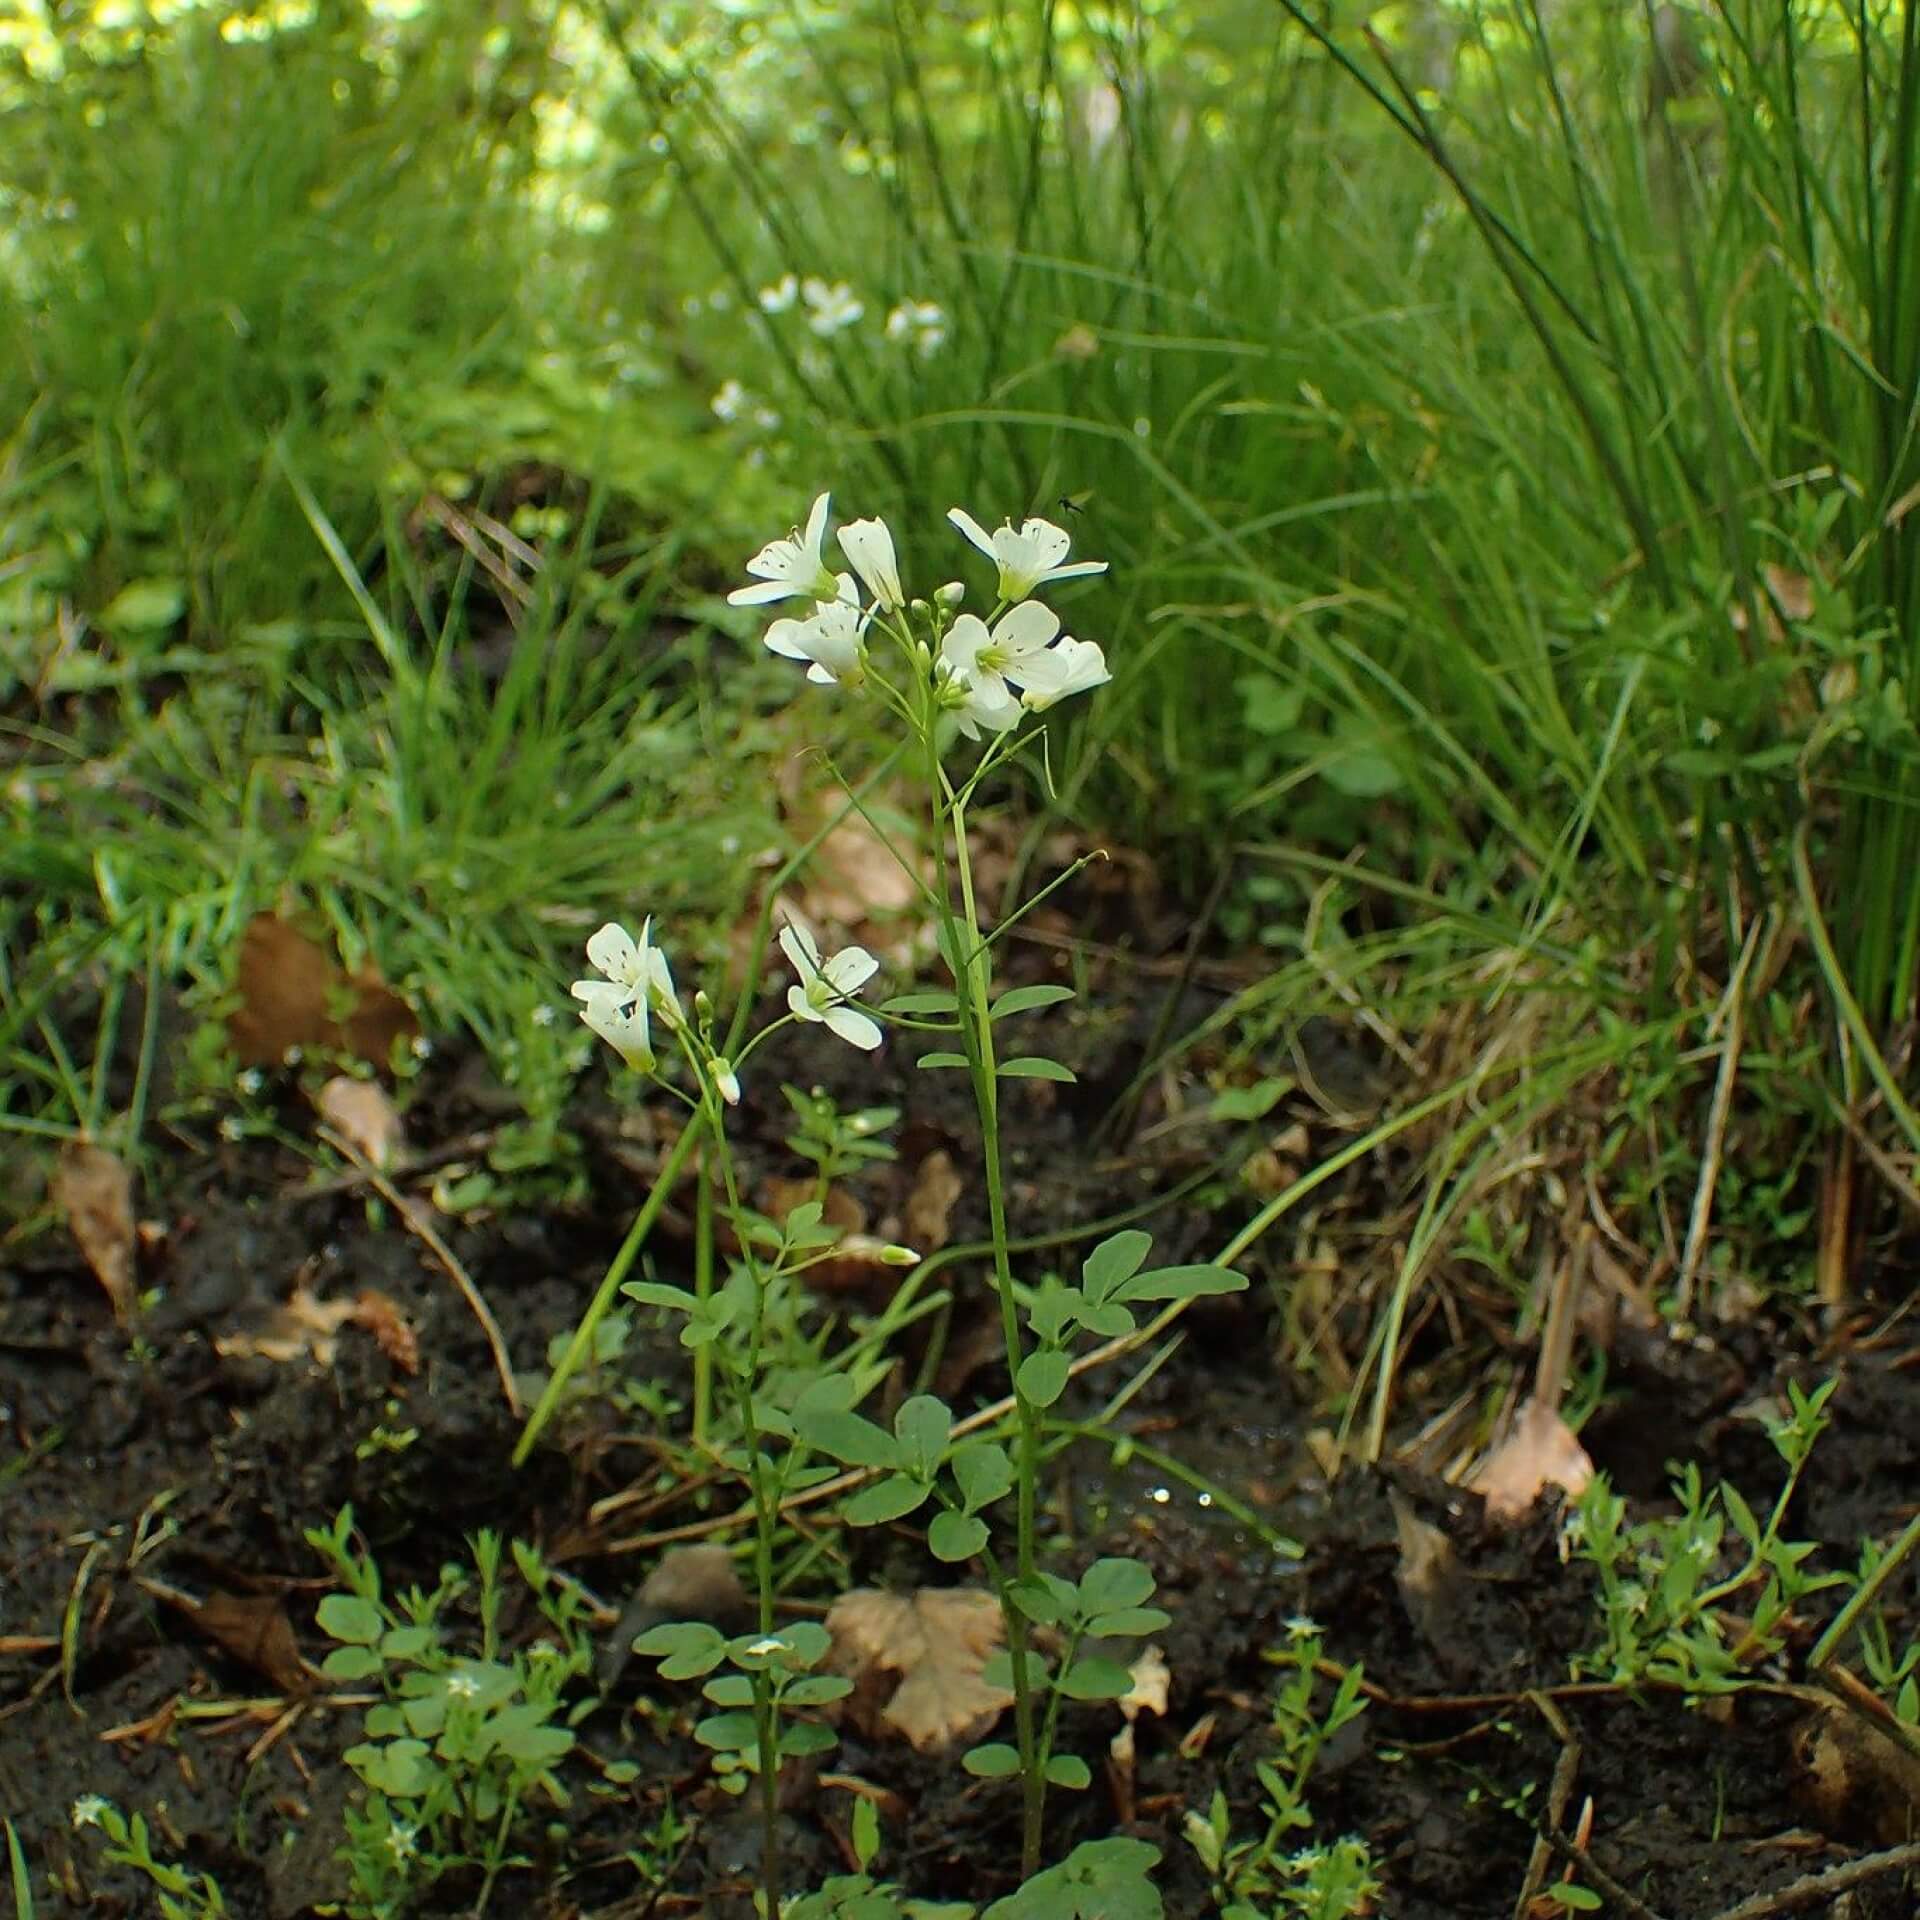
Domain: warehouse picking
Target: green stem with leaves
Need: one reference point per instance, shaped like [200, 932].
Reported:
[971, 963]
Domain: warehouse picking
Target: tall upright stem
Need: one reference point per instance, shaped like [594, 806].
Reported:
[972, 992]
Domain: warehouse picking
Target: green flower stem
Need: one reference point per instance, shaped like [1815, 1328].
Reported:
[703, 1292]
[762, 1482]
[582, 1342]
[969, 954]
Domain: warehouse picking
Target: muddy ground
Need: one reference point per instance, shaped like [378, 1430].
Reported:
[1689, 1810]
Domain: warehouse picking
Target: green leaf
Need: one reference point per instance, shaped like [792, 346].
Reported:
[727, 1732]
[922, 1426]
[1025, 999]
[398, 1768]
[892, 1499]
[1046, 1600]
[983, 1473]
[994, 1761]
[1070, 1771]
[808, 1643]
[1115, 1259]
[1033, 1066]
[1362, 774]
[685, 1649]
[936, 1002]
[1043, 1378]
[803, 1737]
[816, 1690]
[347, 1617]
[729, 1690]
[1249, 1103]
[351, 1663]
[1112, 1584]
[1182, 1283]
[1128, 1622]
[142, 606]
[929, 1061]
[651, 1293]
[849, 1437]
[954, 1537]
[1095, 1678]
[407, 1643]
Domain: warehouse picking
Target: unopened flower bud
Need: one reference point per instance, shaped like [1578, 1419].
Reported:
[727, 1081]
[918, 606]
[896, 1256]
[952, 593]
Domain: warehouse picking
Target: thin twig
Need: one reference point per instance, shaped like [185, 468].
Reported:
[416, 1223]
[1733, 1004]
[1812, 1888]
[1565, 1769]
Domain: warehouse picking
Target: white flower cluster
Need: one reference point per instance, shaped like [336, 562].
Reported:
[638, 989]
[832, 307]
[989, 675]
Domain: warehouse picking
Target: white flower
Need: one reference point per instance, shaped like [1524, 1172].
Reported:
[463, 1686]
[637, 979]
[1028, 558]
[920, 324]
[1071, 667]
[834, 307]
[991, 705]
[400, 1840]
[726, 1080]
[826, 985]
[88, 1809]
[869, 546]
[771, 1644]
[829, 640]
[793, 568]
[781, 295]
[730, 402]
[988, 660]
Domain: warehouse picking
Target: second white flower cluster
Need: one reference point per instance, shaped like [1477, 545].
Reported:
[638, 989]
[987, 673]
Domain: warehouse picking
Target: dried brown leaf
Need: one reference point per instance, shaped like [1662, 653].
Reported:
[305, 1326]
[253, 1628]
[1151, 1679]
[360, 1112]
[928, 1213]
[1540, 1451]
[392, 1333]
[94, 1189]
[698, 1582]
[294, 994]
[916, 1660]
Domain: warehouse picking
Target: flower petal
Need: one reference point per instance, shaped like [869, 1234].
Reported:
[800, 1006]
[760, 593]
[973, 530]
[849, 970]
[854, 1027]
[1026, 628]
[817, 525]
[1074, 572]
[965, 640]
[804, 957]
[612, 950]
[1043, 545]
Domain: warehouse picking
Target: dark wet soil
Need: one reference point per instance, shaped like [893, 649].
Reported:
[131, 1470]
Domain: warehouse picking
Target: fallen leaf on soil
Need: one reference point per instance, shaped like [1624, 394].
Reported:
[252, 1627]
[1779, 588]
[1540, 1451]
[392, 1334]
[93, 1188]
[305, 1326]
[1429, 1574]
[1857, 1783]
[778, 1196]
[294, 994]
[916, 1662]
[1151, 1679]
[929, 1209]
[696, 1583]
[360, 1112]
